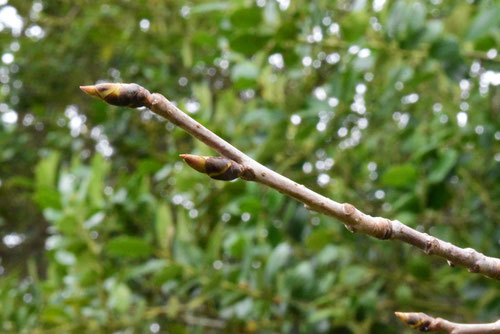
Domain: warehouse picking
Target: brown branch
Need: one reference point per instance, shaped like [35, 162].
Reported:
[134, 95]
[425, 323]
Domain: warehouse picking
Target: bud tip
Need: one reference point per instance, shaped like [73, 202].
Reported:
[90, 90]
[195, 161]
[402, 316]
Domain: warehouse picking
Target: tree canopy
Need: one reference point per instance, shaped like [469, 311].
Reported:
[393, 106]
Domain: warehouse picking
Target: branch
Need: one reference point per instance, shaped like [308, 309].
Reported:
[133, 95]
[425, 323]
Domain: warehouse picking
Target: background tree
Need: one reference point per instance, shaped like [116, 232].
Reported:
[391, 106]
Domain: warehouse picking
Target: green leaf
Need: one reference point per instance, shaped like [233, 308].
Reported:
[245, 18]
[438, 196]
[164, 226]
[245, 70]
[69, 224]
[354, 25]
[151, 266]
[433, 29]
[46, 194]
[278, 259]
[407, 218]
[170, 272]
[235, 245]
[327, 255]
[244, 75]
[47, 197]
[205, 8]
[65, 258]
[404, 294]
[419, 267]
[55, 315]
[250, 204]
[301, 278]
[319, 238]
[243, 308]
[120, 297]
[486, 20]
[354, 275]
[203, 94]
[129, 247]
[187, 252]
[443, 166]
[46, 171]
[330, 312]
[100, 168]
[445, 49]
[248, 43]
[203, 38]
[397, 20]
[400, 176]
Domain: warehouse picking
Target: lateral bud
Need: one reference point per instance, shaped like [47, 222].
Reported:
[419, 321]
[218, 168]
[118, 94]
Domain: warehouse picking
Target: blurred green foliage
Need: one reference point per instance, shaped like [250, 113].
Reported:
[390, 105]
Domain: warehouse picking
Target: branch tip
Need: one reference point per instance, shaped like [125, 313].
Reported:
[234, 164]
[348, 208]
[418, 321]
[425, 323]
[89, 90]
[118, 94]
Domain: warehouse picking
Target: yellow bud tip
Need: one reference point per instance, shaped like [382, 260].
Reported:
[415, 320]
[89, 90]
[400, 315]
[195, 161]
[104, 91]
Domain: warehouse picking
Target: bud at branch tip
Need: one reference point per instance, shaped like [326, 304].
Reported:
[118, 94]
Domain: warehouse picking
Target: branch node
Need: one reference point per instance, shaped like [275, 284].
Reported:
[473, 269]
[348, 209]
[430, 244]
[248, 174]
[387, 230]
[350, 228]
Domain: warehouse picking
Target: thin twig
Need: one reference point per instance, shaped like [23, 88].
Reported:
[133, 95]
[426, 323]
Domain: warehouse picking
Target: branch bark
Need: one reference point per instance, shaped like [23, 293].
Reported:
[133, 95]
[235, 163]
[426, 323]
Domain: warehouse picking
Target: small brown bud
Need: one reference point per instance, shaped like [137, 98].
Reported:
[219, 168]
[118, 94]
[418, 321]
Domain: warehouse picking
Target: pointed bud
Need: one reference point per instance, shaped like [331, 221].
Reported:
[196, 162]
[420, 321]
[89, 90]
[219, 168]
[118, 94]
